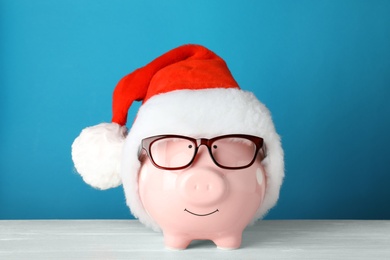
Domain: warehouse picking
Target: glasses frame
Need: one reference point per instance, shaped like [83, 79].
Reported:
[146, 144]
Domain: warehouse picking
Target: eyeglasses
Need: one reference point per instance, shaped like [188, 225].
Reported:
[175, 152]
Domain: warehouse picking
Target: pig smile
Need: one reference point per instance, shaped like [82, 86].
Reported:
[201, 215]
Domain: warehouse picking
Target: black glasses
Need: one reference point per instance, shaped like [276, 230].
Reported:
[175, 152]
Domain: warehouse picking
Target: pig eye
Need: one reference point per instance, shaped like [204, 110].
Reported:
[233, 151]
[172, 151]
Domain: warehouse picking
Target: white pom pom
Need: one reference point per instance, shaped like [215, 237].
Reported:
[96, 154]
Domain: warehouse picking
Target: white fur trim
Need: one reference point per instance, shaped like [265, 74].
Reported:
[96, 154]
[202, 113]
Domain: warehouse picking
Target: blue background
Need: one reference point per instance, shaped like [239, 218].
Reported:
[322, 67]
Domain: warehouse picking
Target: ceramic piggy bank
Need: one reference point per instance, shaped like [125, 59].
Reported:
[202, 160]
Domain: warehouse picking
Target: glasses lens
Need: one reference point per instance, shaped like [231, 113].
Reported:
[233, 151]
[172, 152]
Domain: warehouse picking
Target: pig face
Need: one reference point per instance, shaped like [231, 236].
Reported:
[202, 189]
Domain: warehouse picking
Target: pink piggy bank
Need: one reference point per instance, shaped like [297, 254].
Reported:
[202, 159]
[202, 189]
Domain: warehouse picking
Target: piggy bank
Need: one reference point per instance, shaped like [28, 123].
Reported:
[202, 159]
[202, 188]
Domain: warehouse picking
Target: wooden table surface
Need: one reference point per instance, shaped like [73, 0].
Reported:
[128, 239]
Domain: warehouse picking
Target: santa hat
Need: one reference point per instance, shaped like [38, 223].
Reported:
[188, 91]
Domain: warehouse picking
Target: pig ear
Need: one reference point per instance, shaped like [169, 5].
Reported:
[96, 154]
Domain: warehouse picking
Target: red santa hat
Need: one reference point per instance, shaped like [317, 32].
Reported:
[188, 91]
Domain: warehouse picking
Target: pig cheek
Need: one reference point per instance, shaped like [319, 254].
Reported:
[243, 200]
[261, 179]
[156, 190]
[248, 184]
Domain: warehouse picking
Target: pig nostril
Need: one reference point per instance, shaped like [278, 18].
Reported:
[208, 187]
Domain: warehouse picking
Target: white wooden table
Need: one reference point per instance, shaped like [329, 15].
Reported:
[128, 239]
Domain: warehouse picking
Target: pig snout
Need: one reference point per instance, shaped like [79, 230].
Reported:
[203, 187]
